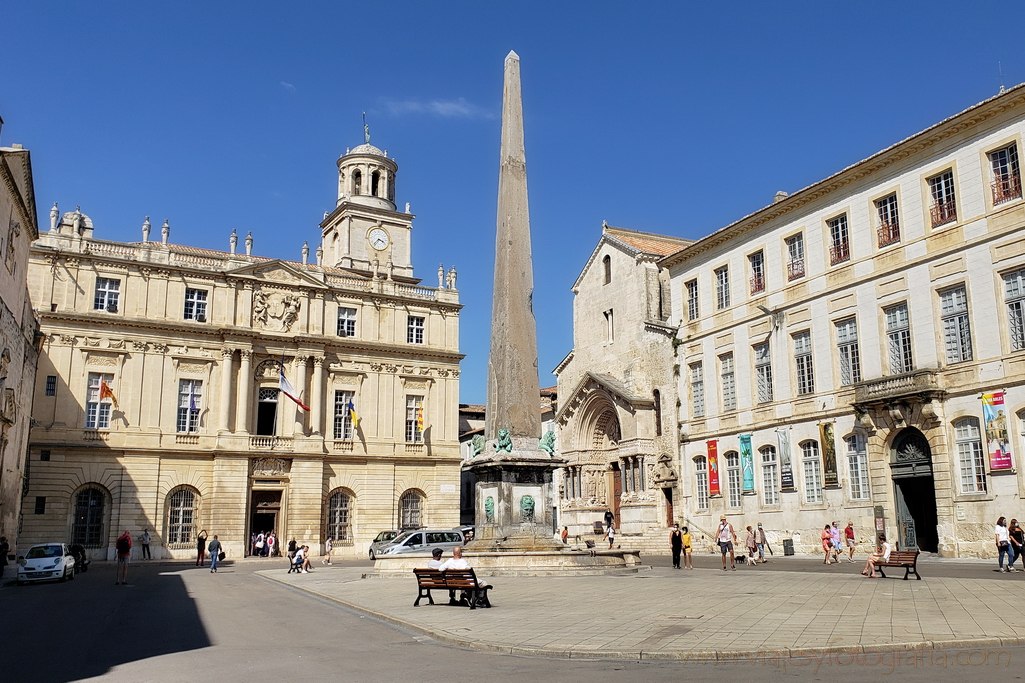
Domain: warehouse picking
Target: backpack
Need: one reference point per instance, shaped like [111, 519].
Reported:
[122, 545]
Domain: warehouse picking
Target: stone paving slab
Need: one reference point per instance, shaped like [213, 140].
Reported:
[702, 614]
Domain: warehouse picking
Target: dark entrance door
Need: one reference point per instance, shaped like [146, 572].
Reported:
[263, 512]
[914, 491]
[266, 412]
[668, 493]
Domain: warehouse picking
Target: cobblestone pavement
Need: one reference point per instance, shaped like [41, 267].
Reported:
[701, 614]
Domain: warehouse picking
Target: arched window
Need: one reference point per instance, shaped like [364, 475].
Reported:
[971, 462]
[339, 506]
[411, 506]
[770, 475]
[87, 528]
[812, 465]
[606, 263]
[182, 513]
[733, 478]
[701, 481]
[375, 182]
[357, 183]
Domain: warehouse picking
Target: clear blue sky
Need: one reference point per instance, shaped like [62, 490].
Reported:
[672, 117]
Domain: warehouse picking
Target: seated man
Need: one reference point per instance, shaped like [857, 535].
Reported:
[435, 561]
[457, 561]
[306, 559]
[296, 565]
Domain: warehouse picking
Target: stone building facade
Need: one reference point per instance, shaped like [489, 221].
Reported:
[18, 332]
[834, 349]
[160, 402]
[616, 423]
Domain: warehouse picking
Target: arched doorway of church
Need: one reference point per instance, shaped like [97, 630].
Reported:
[914, 491]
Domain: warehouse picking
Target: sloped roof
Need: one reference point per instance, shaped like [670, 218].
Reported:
[647, 242]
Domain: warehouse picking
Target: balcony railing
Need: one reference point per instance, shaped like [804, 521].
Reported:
[943, 212]
[838, 253]
[757, 283]
[342, 445]
[1006, 188]
[270, 443]
[889, 233]
[187, 439]
[897, 386]
[795, 269]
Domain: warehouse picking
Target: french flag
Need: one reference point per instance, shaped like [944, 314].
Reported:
[288, 390]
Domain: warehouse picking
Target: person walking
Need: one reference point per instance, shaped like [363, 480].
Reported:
[611, 535]
[676, 545]
[1016, 536]
[144, 539]
[1003, 543]
[609, 518]
[834, 538]
[726, 536]
[215, 554]
[848, 533]
[201, 548]
[328, 547]
[565, 535]
[272, 544]
[123, 546]
[687, 561]
[260, 544]
[827, 544]
[751, 543]
[763, 543]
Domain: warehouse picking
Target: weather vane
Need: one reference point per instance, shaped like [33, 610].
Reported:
[366, 129]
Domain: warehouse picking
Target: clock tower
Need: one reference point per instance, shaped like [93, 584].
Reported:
[365, 233]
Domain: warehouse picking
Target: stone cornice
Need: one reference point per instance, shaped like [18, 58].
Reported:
[896, 153]
[26, 205]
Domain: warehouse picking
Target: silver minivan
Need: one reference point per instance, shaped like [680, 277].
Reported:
[423, 541]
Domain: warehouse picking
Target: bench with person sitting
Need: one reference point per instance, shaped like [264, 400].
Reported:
[908, 559]
[455, 574]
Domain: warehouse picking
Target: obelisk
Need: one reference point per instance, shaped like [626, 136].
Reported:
[514, 400]
[513, 497]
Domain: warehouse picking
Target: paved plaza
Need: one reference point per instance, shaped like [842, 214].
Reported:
[790, 608]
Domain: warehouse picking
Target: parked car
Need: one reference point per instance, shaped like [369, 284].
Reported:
[46, 562]
[382, 539]
[423, 541]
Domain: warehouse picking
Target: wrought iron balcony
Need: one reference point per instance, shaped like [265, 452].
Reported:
[795, 269]
[840, 252]
[889, 233]
[757, 283]
[943, 212]
[1006, 188]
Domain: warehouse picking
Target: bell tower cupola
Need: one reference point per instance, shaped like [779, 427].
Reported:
[367, 176]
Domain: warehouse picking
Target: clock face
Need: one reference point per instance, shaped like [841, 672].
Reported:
[378, 238]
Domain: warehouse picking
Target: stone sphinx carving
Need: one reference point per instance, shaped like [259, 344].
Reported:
[504, 442]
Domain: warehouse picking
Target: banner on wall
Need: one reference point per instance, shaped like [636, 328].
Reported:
[994, 416]
[713, 467]
[828, 443]
[786, 468]
[747, 463]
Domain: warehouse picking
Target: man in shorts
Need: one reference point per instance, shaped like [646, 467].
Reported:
[726, 537]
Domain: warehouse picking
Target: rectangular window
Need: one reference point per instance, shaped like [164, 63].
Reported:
[957, 333]
[770, 476]
[44, 456]
[970, 458]
[889, 220]
[108, 290]
[692, 300]
[757, 263]
[722, 288]
[803, 363]
[414, 419]
[812, 472]
[697, 390]
[847, 348]
[40, 505]
[733, 479]
[610, 329]
[415, 330]
[347, 322]
[857, 466]
[97, 408]
[763, 372]
[728, 382]
[343, 418]
[944, 205]
[195, 304]
[898, 339]
[795, 257]
[839, 240]
[1006, 176]
[701, 481]
[51, 385]
[190, 400]
[1014, 297]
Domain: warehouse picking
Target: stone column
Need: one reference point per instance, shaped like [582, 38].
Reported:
[317, 396]
[245, 390]
[226, 373]
[300, 386]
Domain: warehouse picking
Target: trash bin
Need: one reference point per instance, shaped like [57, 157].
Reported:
[788, 546]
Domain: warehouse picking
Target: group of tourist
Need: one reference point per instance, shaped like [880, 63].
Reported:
[834, 542]
[755, 542]
[1010, 542]
[264, 544]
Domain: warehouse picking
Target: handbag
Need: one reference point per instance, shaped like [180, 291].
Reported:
[220, 556]
[259, 544]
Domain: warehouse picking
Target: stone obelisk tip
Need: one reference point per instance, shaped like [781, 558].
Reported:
[512, 55]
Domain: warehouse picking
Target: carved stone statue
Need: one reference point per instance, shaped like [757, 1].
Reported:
[291, 312]
[54, 215]
[441, 276]
[452, 277]
[233, 240]
[504, 442]
[547, 443]
[477, 444]
[527, 509]
[489, 510]
[77, 220]
[260, 307]
[146, 227]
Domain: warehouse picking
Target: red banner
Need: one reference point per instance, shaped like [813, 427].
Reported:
[713, 468]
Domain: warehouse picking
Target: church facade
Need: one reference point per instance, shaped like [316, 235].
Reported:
[183, 389]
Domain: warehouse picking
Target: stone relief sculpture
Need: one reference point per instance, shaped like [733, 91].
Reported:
[260, 307]
[290, 313]
[547, 443]
[527, 509]
[504, 442]
[477, 444]
[489, 510]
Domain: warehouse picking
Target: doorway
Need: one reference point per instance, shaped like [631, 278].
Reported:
[914, 491]
[264, 512]
[617, 488]
[668, 493]
[267, 412]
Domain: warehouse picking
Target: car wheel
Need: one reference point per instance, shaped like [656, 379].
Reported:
[71, 577]
[372, 556]
[64, 576]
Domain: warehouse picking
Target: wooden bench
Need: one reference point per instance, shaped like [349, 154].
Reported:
[451, 580]
[908, 559]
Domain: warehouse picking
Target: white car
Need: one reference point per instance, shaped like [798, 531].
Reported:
[46, 562]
